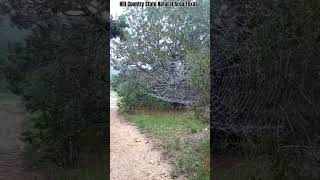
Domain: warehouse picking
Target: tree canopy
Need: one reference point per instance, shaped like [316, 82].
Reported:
[61, 71]
[157, 47]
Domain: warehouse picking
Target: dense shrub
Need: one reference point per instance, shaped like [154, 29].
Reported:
[134, 96]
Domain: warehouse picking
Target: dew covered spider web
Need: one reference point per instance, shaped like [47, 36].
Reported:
[253, 89]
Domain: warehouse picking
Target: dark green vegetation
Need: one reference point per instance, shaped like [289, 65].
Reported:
[184, 139]
[163, 82]
[266, 98]
[64, 96]
[91, 164]
[60, 71]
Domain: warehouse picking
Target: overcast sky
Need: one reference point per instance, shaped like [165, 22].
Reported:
[115, 8]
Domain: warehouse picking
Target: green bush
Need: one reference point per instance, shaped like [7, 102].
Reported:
[134, 96]
[199, 74]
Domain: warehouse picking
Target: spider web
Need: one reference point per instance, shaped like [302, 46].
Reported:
[171, 85]
[242, 102]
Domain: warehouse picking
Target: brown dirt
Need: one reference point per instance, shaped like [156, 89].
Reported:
[12, 115]
[133, 156]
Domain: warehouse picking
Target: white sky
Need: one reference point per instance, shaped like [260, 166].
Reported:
[115, 9]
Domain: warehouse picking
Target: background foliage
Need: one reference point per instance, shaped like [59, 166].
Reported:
[61, 73]
[264, 84]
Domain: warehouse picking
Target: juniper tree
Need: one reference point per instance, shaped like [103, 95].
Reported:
[156, 45]
[61, 72]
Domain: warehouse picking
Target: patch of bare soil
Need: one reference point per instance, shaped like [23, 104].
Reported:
[132, 156]
[12, 115]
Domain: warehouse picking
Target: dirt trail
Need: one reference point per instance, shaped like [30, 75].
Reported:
[133, 157]
[12, 115]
